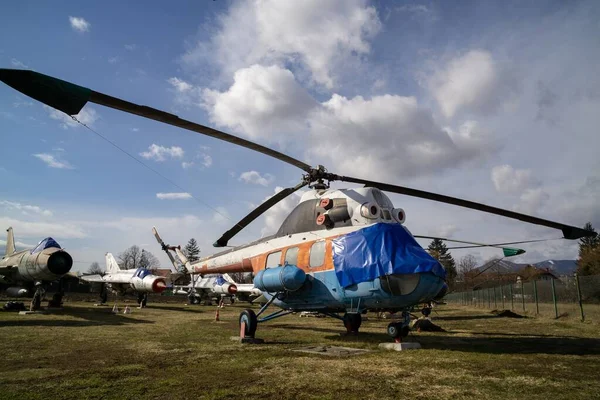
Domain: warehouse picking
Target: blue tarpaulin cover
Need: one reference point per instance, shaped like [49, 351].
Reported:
[378, 250]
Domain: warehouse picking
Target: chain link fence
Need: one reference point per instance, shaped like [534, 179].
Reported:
[566, 297]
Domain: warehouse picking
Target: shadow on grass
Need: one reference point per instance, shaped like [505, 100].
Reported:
[115, 320]
[170, 308]
[307, 328]
[517, 344]
[465, 317]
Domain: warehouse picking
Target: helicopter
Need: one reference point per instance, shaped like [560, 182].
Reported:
[340, 252]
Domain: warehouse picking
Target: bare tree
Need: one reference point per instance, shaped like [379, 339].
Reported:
[95, 269]
[134, 257]
[241, 277]
[467, 264]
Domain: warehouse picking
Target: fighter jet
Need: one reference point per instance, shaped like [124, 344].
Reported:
[30, 271]
[215, 287]
[140, 281]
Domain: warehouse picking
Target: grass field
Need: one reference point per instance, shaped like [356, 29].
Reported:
[176, 351]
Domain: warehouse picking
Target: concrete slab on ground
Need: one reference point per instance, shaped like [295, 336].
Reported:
[334, 351]
[400, 346]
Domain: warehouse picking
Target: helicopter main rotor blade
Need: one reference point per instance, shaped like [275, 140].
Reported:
[473, 246]
[224, 239]
[70, 99]
[508, 251]
[569, 232]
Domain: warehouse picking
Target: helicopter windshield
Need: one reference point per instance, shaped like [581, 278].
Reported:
[46, 244]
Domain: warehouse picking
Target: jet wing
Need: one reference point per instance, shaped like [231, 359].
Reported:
[92, 278]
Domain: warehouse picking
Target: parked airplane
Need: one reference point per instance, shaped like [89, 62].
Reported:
[34, 268]
[204, 287]
[215, 287]
[140, 281]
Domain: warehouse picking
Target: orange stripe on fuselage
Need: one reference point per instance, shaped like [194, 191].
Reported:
[257, 263]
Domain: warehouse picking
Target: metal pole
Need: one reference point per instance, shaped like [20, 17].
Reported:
[554, 299]
[537, 306]
[512, 300]
[495, 300]
[502, 295]
[523, 294]
[579, 296]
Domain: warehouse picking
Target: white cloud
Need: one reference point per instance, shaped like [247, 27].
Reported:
[53, 161]
[509, 180]
[180, 85]
[87, 116]
[130, 47]
[255, 178]
[79, 24]
[320, 34]
[173, 196]
[161, 153]
[473, 80]
[261, 99]
[206, 160]
[446, 230]
[221, 215]
[44, 229]
[186, 165]
[113, 60]
[532, 200]
[25, 208]
[18, 245]
[388, 136]
[18, 64]
[275, 215]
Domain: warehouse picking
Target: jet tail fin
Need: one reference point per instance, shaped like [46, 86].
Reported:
[111, 264]
[10, 242]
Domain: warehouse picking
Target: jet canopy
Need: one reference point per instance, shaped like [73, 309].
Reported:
[46, 244]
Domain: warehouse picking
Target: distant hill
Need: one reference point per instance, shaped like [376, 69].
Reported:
[558, 267]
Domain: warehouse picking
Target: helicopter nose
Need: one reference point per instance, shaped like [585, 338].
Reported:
[60, 262]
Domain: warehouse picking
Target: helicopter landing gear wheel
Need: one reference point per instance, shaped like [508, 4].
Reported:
[352, 322]
[397, 330]
[248, 318]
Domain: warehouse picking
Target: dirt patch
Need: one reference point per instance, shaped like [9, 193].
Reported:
[425, 325]
[506, 314]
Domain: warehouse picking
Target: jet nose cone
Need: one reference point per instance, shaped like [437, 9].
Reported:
[60, 263]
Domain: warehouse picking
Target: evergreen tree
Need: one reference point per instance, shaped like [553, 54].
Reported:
[438, 250]
[191, 250]
[588, 262]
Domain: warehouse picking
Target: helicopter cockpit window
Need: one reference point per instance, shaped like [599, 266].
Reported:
[273, 260]
[46, 244]
[291, 256]
[317, 254]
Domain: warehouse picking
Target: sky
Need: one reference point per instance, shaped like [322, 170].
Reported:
[495, 102]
